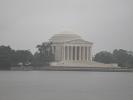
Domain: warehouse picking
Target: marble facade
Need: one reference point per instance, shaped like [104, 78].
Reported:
[71, 48]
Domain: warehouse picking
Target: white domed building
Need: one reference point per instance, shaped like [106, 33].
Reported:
[71, 50]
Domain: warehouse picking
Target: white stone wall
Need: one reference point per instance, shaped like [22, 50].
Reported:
[58, 51]
[60, 54]
[64, 50]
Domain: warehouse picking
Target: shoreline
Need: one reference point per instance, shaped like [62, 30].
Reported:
[94, 69]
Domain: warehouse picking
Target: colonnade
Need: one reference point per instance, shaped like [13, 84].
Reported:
[77, 53]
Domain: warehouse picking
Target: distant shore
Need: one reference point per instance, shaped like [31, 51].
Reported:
[62, 68]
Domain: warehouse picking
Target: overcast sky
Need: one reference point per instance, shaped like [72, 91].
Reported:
[27, 23]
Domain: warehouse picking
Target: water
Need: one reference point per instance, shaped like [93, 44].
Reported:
[65, 85]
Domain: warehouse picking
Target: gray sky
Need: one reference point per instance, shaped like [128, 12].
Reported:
[27, 23]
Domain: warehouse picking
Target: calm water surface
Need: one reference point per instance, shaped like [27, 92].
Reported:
[65, 85]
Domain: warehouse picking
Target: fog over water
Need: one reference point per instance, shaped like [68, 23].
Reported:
[27, 23]
[65, 85]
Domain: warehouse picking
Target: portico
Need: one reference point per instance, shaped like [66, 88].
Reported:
[76, 53]
[71, 48]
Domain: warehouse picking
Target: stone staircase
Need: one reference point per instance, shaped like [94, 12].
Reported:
[83, 64]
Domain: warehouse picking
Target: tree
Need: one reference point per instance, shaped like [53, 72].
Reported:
[44, 55]
[10, 58]
[23, 56]
[5, 57]
[104, 57]
[119, 56]
[122, 58]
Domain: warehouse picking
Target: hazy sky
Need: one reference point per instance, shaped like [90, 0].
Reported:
[27, 23]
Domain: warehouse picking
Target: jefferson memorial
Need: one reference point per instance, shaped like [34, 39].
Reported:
[70, 49]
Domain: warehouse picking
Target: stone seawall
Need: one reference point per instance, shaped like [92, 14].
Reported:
[101, 69]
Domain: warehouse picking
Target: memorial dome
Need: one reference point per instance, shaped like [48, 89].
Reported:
[64, 36]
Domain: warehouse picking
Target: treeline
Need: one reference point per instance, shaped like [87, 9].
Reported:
[12, 58]
[119, 56]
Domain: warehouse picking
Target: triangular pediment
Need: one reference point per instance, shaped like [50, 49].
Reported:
[79, 41]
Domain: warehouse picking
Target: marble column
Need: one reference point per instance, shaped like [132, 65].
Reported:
[71, 53]
[67, 52]
[87, 53]
[53, 49]
[79, 53]
[75, 53]
[64, 52]
[62, 55]
[82, 53]
[90, 54]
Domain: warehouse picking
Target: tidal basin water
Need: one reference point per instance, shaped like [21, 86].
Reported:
[65, 85]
